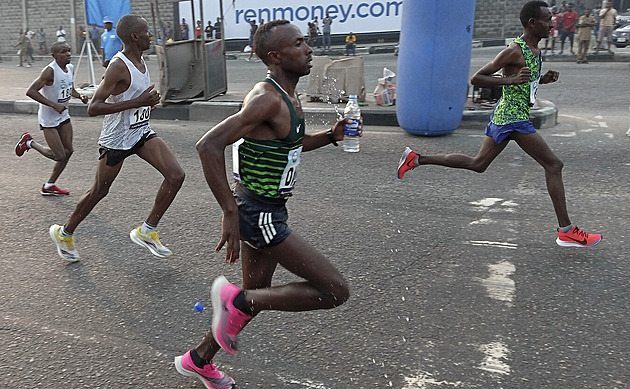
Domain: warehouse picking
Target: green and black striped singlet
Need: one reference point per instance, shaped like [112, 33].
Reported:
[516, 101]
[269, 167]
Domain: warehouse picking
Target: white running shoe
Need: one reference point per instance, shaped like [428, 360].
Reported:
[65, 246]
[150, 240]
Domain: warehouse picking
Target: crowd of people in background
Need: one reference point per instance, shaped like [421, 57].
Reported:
[578, 23]
[316, 37]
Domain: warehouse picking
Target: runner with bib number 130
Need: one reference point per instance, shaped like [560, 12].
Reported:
[126, 98]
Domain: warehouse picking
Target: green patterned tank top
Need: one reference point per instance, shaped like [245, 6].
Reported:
[515, 103]
[269, 167]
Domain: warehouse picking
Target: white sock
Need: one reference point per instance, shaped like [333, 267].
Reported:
[146, 228]
[28, 143]
[65, 234]
[49, 185]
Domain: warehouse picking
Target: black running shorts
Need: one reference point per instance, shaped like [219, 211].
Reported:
[263, 221]
[115, 156]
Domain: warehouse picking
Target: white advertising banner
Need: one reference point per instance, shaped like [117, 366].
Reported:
[358, 16]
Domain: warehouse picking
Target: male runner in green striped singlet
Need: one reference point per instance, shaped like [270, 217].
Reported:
[521, 63]
[268, 138]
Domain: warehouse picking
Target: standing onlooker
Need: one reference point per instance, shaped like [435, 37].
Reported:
[326, 29]
[351, 43]
[585, 33]
[110, 42]
[23, 45]
[569, 21]
[30, 34]
[209, 30]
[168, 32]
[217, 29]
[312, 34]
[317, 33]
[52, 90]
[61, 34]
[579, 7]
[595, 13]
[183, 30]
[198, 30]
[252, 31]
[553, 33]
[81, 35]
[41, 39]
[94, 34]
[607, 17]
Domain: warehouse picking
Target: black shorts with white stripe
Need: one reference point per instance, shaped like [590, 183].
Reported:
[263, 222]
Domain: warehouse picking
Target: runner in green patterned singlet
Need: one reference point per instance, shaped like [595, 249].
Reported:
[270, 136]
[516, 99]
[520, 64]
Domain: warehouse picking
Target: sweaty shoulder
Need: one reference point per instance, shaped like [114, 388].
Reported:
[264, 97]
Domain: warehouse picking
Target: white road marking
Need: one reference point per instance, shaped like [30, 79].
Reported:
[423, 379]
[505, 245]
[603, 124]
[487, 202]
[496, 353]
[499, 284]
[481, 221]
[570, 134]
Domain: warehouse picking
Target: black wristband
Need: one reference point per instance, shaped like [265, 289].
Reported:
[331, 137]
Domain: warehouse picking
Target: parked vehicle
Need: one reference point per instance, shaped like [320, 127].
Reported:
[621, 36]
[622, 19]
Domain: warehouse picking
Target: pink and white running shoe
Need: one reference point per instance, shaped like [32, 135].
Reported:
[211, 377]
[227, 320]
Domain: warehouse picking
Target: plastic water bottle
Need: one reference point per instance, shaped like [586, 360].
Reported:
[351, 130]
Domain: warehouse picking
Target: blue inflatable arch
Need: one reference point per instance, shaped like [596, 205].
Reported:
[433, 64]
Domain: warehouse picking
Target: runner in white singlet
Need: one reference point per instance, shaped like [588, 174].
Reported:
[52, 90]
[126, 98]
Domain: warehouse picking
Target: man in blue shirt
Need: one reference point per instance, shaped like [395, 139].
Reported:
[110, 42]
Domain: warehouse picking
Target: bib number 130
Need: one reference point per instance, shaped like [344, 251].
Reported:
[287, 181]
[139, 117]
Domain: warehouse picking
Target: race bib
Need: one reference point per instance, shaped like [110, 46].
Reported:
[64, 94]
[139, 117]
[533, 88]
[289, 175]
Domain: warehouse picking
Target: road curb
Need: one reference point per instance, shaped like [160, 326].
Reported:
[543, 115]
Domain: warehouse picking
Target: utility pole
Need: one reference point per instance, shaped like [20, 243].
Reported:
[73, 29]
[24, 21]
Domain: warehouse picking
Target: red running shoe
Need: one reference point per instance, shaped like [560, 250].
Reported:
[407, 162]
[577, 238]
[53, 191]
[21, 146]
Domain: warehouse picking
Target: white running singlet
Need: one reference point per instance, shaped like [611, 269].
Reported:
[122, 130]
[59, 92]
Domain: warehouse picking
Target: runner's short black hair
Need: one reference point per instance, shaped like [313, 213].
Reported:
[530, 10]
[263, 43]
[56, 47]
[126, 26]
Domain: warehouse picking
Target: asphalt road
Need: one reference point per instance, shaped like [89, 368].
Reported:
[455, 277]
